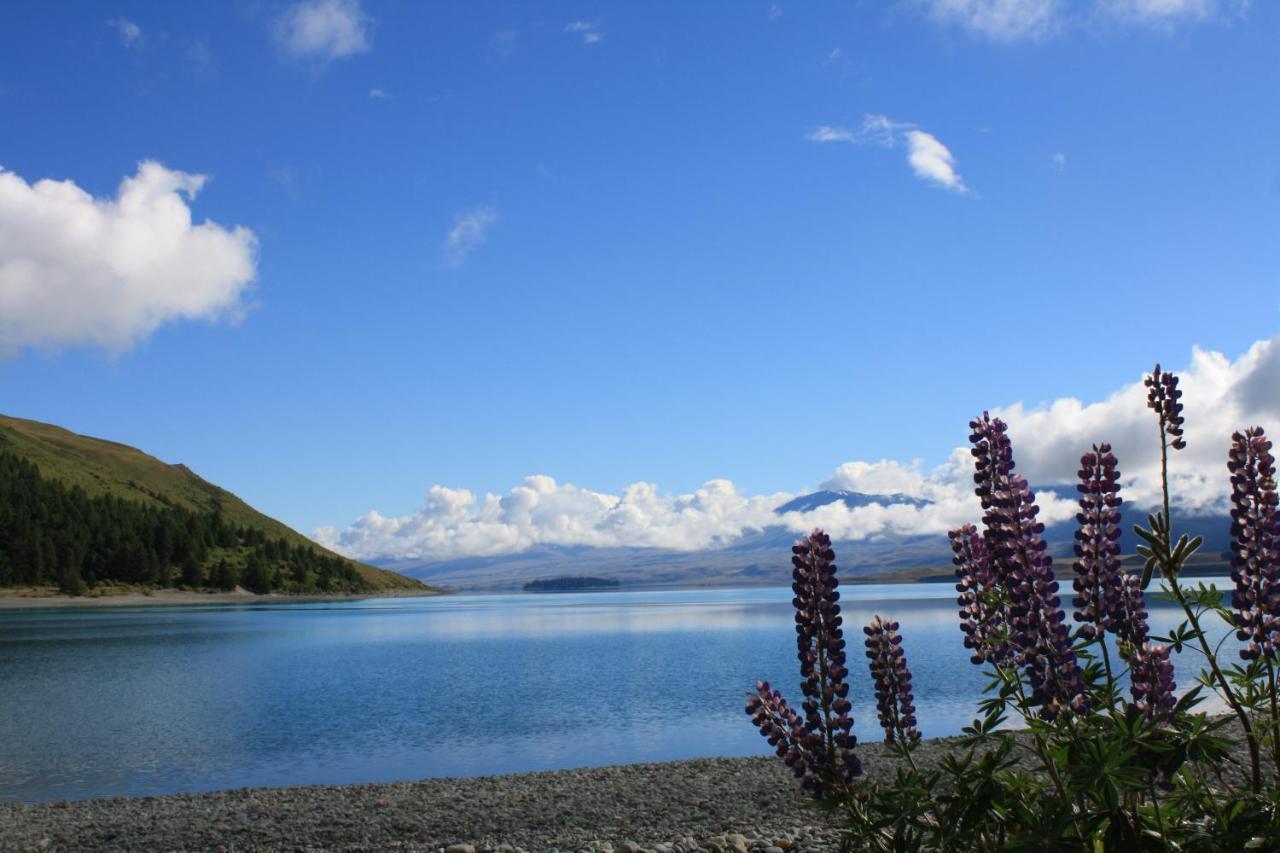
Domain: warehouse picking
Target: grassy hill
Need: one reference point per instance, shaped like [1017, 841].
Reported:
[107, 468]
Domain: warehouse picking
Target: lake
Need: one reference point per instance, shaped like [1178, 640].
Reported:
[140, 701]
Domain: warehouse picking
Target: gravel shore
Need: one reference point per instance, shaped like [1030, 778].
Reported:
[708, 804]
[704, 804]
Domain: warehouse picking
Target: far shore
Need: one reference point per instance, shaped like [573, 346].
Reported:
[39, 599]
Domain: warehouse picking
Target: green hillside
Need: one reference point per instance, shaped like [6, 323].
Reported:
[99, 469]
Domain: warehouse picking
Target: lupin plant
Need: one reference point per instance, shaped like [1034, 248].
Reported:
[1062, 756]
[895, 702]
[819, 748]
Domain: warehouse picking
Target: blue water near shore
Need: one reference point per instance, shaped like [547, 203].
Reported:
[109, 702]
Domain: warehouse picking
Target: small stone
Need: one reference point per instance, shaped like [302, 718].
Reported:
[629, 846]
[460, 848]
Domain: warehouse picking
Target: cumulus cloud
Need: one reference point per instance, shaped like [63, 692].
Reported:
[1221, 395]
[324, 30]
[586, 29]
[470, 230]
[930, 160]
[130, 33]
[999, 20]
[79, 270]
[540, 511]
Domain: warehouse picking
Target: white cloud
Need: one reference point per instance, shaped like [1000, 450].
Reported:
[1165, 13]
[775, 11]
[470, 229]
[1059, 160]
[379, 95]
[586, 29]
[932, 161]
[1021, 20]
[1221, 396]
[324, 30]
[79, 270]
[999, 20]
[130, 33]
[929, 159]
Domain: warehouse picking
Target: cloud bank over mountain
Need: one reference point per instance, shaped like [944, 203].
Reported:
[1221, 395]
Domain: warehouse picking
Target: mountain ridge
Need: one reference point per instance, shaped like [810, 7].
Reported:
[102, 467]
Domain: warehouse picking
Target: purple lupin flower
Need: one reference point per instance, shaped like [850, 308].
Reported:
[1256, 543]
[820, 646]
[1024, 568]
[894, 699]
[780, 725]
[1151, 680]
[981, 613]
[821, 744]
[1131, 627]
[1163, 396]
[1097, 566]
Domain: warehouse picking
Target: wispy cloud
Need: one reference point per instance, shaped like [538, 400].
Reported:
[1059, 160]
[775, 11]
[470, 230]
[76, 270]
[130, 33]
[586, 29]
[1023, 20]
[999, 20]
[504, 42]
[379, 94]
[1165, 14]
[324, 30]
[1221, 396]
[929, 159]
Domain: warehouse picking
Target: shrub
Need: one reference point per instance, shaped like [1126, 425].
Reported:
[1093, 766]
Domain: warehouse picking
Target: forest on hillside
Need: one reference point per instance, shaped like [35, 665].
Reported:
[55, 535]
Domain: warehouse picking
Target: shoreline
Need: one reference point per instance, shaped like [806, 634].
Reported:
[722, 805]
[746, 805]
[13, 600]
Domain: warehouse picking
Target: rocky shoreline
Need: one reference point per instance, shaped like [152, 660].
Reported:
[718, 804]
[744, 805]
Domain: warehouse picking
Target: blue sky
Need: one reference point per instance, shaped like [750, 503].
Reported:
[607, 243]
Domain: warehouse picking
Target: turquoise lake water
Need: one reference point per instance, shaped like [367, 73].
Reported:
[138, 701]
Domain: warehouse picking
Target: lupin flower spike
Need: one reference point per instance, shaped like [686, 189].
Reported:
[1151, 681]
[1163, 396]
[822, 742]
[982, 616]
[1256, 543]
[1024, 568]
[1097, 583]
[894, 699]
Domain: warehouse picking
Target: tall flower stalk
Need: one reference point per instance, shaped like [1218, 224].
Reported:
[982, 606]
[895, 701]
[1161, 550]
[1040, 640]
[1255, 533]
[819, 746]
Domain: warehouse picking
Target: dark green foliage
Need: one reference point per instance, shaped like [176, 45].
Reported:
[55, 535]
[570, 583]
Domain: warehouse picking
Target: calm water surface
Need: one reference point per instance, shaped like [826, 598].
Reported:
[106, 702]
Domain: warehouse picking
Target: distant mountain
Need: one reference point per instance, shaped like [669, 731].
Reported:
[764, 558]
[91, 469]
[853, 500]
